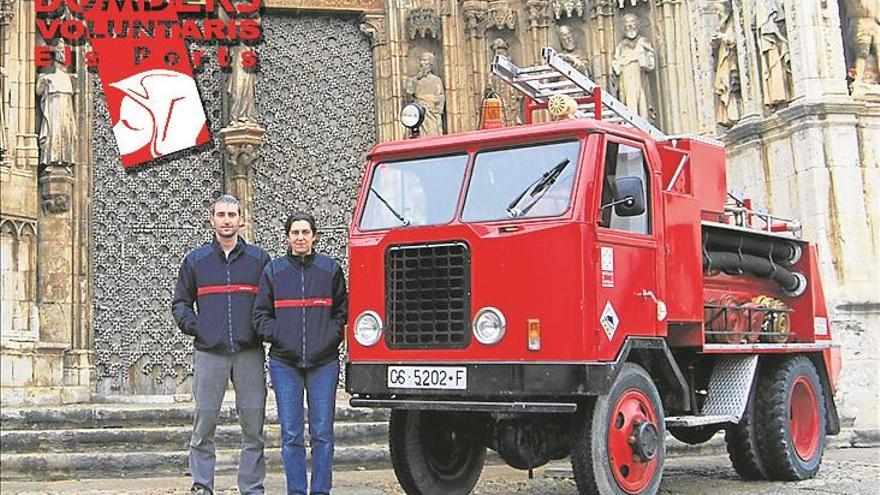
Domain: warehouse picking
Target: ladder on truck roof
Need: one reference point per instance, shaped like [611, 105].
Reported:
[557, 76]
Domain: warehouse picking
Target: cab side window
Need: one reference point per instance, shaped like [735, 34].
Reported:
[624, 161]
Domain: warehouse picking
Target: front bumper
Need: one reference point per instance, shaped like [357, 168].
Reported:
[502, 381]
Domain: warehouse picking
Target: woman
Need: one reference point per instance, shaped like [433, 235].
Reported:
[301, 310]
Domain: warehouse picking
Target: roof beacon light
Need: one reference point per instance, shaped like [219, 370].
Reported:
[493, 112]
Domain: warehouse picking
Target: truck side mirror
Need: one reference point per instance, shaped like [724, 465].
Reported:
[629, 197]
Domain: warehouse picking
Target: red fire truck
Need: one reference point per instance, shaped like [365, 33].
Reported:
[579, 288]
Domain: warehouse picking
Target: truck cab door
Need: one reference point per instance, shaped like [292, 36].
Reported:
[626, 244]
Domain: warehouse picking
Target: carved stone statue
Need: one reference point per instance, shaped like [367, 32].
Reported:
[727, 87]
[865, 17]
[427, 89]
[775, 55]
[240, 85]
[510, 97]
[569, 51]
[58, 128]
[241, 81]
[633, 58]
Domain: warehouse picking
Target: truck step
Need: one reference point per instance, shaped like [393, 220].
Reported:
[730, 385]
[691, 421]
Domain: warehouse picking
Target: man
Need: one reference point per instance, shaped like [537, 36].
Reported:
[427, 89]
[222, 277]
[775, 55]
[633, 58]
[58, 128]
[301, 310]
[570, 51]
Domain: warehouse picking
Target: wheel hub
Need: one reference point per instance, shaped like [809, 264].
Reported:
[633, 441]
[645, 440]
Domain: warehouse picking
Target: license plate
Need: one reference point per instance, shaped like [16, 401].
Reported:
[432, 377]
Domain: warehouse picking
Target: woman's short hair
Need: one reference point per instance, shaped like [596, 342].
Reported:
[300, 215]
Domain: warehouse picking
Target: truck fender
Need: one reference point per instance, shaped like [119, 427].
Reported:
[654, 355]
[824, 363]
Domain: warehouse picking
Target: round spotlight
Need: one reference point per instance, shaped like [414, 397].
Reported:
[412, 115]
[368, 328]
[489, 326]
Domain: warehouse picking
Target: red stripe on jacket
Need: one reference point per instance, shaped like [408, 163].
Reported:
[224, 289]
[303, 303]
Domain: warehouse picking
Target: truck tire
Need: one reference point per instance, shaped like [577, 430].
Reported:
[742, 443]
[602, 458]
[433, 453]
[792, 411]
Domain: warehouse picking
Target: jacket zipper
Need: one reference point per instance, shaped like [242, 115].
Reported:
[303, 277]
[229, 306]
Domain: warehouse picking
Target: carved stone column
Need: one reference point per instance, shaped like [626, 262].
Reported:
[674, 56]
[474, 13]
[456, 68]
[21, 116]
[538, 21]
[374, 26]
[55, 255]
[601, 41]
[241, 143]
[817, 60]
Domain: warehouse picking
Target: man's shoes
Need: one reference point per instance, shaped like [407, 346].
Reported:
[200, 489]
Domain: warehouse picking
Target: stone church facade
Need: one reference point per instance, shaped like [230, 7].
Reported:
[89, 251]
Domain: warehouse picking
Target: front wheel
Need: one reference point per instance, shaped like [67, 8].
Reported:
[792, 407]
[434, 452]
[619, 445]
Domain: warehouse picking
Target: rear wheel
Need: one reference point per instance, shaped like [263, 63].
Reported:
[792, 428]
[435, 453]
[619, 447]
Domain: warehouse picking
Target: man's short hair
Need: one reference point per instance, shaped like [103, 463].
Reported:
[300, 215]
[227, 199]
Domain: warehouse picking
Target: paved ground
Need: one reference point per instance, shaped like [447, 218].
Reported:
[845, 471]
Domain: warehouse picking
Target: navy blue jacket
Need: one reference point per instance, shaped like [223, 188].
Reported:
[301, 309]
[224, 290]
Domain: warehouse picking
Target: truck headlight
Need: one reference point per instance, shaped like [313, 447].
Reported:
[489, 326]
[368, 328]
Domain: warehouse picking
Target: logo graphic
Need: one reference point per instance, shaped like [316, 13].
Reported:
[139, 48]
[160, 113]
[154, 104]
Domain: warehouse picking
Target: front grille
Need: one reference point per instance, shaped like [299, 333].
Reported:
[429, 296]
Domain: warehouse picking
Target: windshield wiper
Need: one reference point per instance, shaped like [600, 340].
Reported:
[540, 186]
[403, 220]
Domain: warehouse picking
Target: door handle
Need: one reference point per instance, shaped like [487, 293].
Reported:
[661, 306]
[647, 295]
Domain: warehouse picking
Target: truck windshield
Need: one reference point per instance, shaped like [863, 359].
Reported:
[414, 192]
[533, 181]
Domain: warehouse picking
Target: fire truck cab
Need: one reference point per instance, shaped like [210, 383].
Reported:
[577, 289]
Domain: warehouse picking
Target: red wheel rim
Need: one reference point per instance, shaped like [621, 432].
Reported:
[804, 418]
[631, 472]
